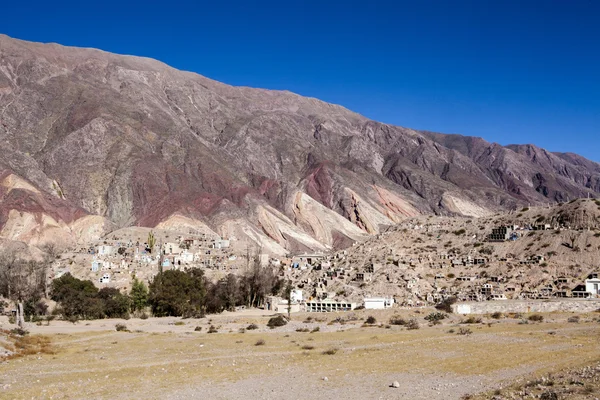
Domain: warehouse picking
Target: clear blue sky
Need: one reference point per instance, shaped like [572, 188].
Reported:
[508, 71]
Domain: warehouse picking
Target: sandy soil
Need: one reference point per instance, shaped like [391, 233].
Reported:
[167, 359]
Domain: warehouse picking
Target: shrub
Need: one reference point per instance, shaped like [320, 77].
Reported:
[179, 323]
[315, 329]
[308, 347]
[574, 319]
[464, 331]
[436, 317]
[472, 320]
[459, 232]
[446, 304]
[536, 318]
[330, 352]
[412, 324]
[497, 315]
[302, 330]
[371, 320]
[197, 329]
[121, 328]
[260, 342]
[144, 316]
[277, 321]
[397, 320]
[252, 327]
[212, 329]
[19, 332]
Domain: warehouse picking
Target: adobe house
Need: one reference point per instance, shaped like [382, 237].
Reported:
[500, 234]
[371, 268]
[561, 280]
[363, 277]
[486, 289]
[309, 258]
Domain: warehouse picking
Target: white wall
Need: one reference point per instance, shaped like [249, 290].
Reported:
[374, 305]
[589, 286]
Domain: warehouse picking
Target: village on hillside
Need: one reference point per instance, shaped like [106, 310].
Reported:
[525, 255]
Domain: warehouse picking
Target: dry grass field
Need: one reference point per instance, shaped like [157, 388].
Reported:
[168, 359]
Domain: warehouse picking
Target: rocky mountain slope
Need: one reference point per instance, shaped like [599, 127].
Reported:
[93, 141]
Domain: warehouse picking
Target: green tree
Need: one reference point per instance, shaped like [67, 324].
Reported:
[139, 295]
[178, 293]
[116, 304]
[77, 298]
[258, 283]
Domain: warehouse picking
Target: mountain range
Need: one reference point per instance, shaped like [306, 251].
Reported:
[92, 142]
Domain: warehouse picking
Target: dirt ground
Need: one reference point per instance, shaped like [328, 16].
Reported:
[167, 358]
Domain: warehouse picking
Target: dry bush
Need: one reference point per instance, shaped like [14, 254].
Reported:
[536, 318]
[260, 342]
[412, 324]
[277, 321]
[330, 352]
[397, 320]
[25, 345]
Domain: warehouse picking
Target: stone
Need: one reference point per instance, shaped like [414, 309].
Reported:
[395, 384]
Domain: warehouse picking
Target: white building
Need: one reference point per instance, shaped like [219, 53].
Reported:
[329, 306]
[171, 249]
[221, 244]
[96, 265]
[105, 250]
[296, 295]
[184, 258]
[378, 303]
[105, 278]
[592, 284]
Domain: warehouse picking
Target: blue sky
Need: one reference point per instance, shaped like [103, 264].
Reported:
[508, 71]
